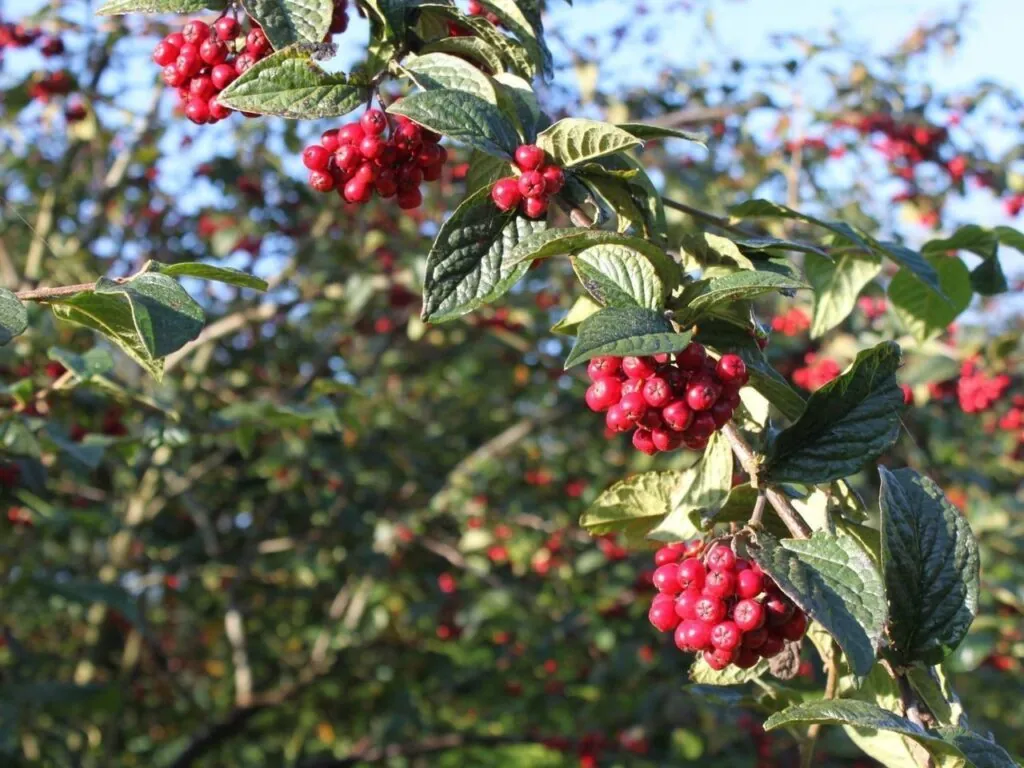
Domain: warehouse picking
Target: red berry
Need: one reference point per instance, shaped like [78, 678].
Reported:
[665, 580]
[720, 584]
[348, 158]
[702, 426]
[529, 157]
[725, 635]
[351, 133]
[749, 583]
[748, 615]
[329, 140]
[409, 199]
[657, 392]
[433, 172]
[226, 28]
[643, 441]
[256, 43]
[634, 386]
[638, 367]
[505, 194]
[731, 368]
[686, 603]
[202, 88]
[357, 191]
[244, 62]
[222, 76]
[409, 176]
[664, 439]
[663, 617]
[195, 32]
[217, 110]
[213, 51]
[408, 137]
[600, 367]
[198, 111]
[778, 610]
[188, 61]
[175, 39]
[386, 184]
[754, 638]
[772, 646]
[692, 358]
[794, 628]
[554, 179]
[164, 54]
[721, 412]
[668, 554]
[692, 635]
[721, 558]
[691, 573]
[616, 419]
[373, 122]
[173, 77]
[634, 406]
[321, 181]
[531, 184]
[366, 173]
[717, 660]
[746, 658]
[702, 393]
[710, 609]
[429, 155]
[603, 394]
[535, 207]
[677, 415]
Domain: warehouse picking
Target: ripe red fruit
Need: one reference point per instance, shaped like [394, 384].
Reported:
[702, 426]
[664, 439]
[748, 615]
[321, 181]
[746, 658]
[600, 367]
[663, 616]
[348, 158]
[754, 638]
[222, 76]
[721, 558]
[772, 646]
[529, 157]
[710, 609]
[643, 441]
[409, 176]
[386, 184]
[731, 368]
[691, 574]
[603, 394]
[778, 610]
[173, 77]
[195, 32]
[408, 137]
[794, 628]
[665, 580]
[329, 140]
[531, 184]
[505, 194]
[198, 111]
[433, 172]
[634, 406]
[256, 43]
[686, 603]
[677, 415]
[656, 392]
[213, 51]
[668, 554]
[217, 110]
[638, 367]
[749, 583]
[164, 54]
[188, 61]
[176, 39]
[721, 412]
[702, 393]
[244, 62]
[718, 659]
[720, 584]
[357, 191]
[692, 635]
[409, 199]
[226, 28]
[554, 179]
[350, 133]
[725, 635]
[535, 207]
[616, 419]
[692, 358]
[373, 122]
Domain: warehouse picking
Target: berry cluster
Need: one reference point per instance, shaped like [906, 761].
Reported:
[873, 307]
[358, 160]
[476, 8]
[50, 84]
[668, 403]
[1013, 419]
[20, 36]
[201, 61]
[975, 391]
[723, 606]
[816, 373]
[792, 322]
[536, 182]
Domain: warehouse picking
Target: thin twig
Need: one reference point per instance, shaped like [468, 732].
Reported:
[47, 294]
[831, 685]
[722, 222]
[758, 514]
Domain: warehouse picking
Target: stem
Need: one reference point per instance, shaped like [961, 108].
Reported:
[758, 513]
[722, 222]
[831, 684]
[780, 503]
[46, 294]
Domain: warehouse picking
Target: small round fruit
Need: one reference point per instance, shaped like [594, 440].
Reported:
[213, 51]
[710, 609]
[663, 617]
[702, 426]
[691, 574]
[634, 406]
[616, 420]
[603, 394]
[531, 184]
[692, 358]
[702, 393]
[692, 635]
[754, 638]
[321, 181]
[226, 28]
[195, 32]
[657, 392]
[721, 412]
[256, 42]
[164, 54]
[718, 659]
[373, 122]
[529, 157]
[732, 369]
[726, 635]
[600, 367]
[315, 157]
[778, 610]
[217, 110]
[357, 191]
[795, 628]
[746, 658]
[409, 199]
[677, 415]
[348, 158]
[721, 558]
[686, 603]
[554, 179]
[329, 140]
[665, 580]
[643, 441]
[505, 194]
[638, 367]
[720, 584]
[350, 133]
[651, 420]
[222, 76]
[664, 439]
[386, 184]
[535, 207]
[772, 646]
[748, 615]
[749, 583]
[668, 554]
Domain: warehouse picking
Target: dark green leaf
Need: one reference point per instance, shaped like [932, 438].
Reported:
[468, 47]
[13, 316]
[837, 284]
[87, 592]
[95, 362]
[925, 313]
[208, 272]
[847, 423]
[517, 97]
[981, 752]
[291, 21]
[573, 140]
[930, 560]
[484, 170]
[699, 492]
[765, 208]
[988, 278]
[555, 242]
[768, 244]
[442, 71]
[703, 295]
[530, 33]
[973, 238]
[645, 132]
[622, 331]
[835, 581]
[468, 264]
[702, 674]
[916, 265]
[119, 7]
[290, 84]
[462, 117]
[618, 276]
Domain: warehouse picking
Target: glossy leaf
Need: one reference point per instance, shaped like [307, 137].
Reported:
[618, 276]
[926, 314]
[574, 140]
[462, 117]
[622, 331]
[837, 284]
[291, 21]
[13, 316]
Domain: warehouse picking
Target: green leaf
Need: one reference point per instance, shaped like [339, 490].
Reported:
[847, 423]
[766, 245]
[635, 505]
[393, 13]
[922, 311]
[555, 242]
[981, 752]
[618, 276]
[469, 47]
[700, 491]
[702, 674]
[208, 272]
[617, 194]
[835, 581]
[468, 264]
[290, 84]
[530, 33]
[462, 117]
[912, 262]
[442, 71]
[119, 7]
[837, 284]
[291, 21]
[709, 250]
[573, 140]
[13, 316]
[268, 415]
[149, 316]
[484, 170]
[622, 331]
[973, 238]
[988, 278]
[95, 362]
[581, 309]
[703, 295]
[737, 508]
[517, 97]
[931, 565]
[645, 132]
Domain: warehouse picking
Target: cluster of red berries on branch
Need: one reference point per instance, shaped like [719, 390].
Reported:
[476, 8]
[667, 402]
[722, 606]
[203, 60]
[20, 36]
[873, 307]
[816, 372]
[531, 190]
[976, 391]
[359, 160]
[792, 322]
